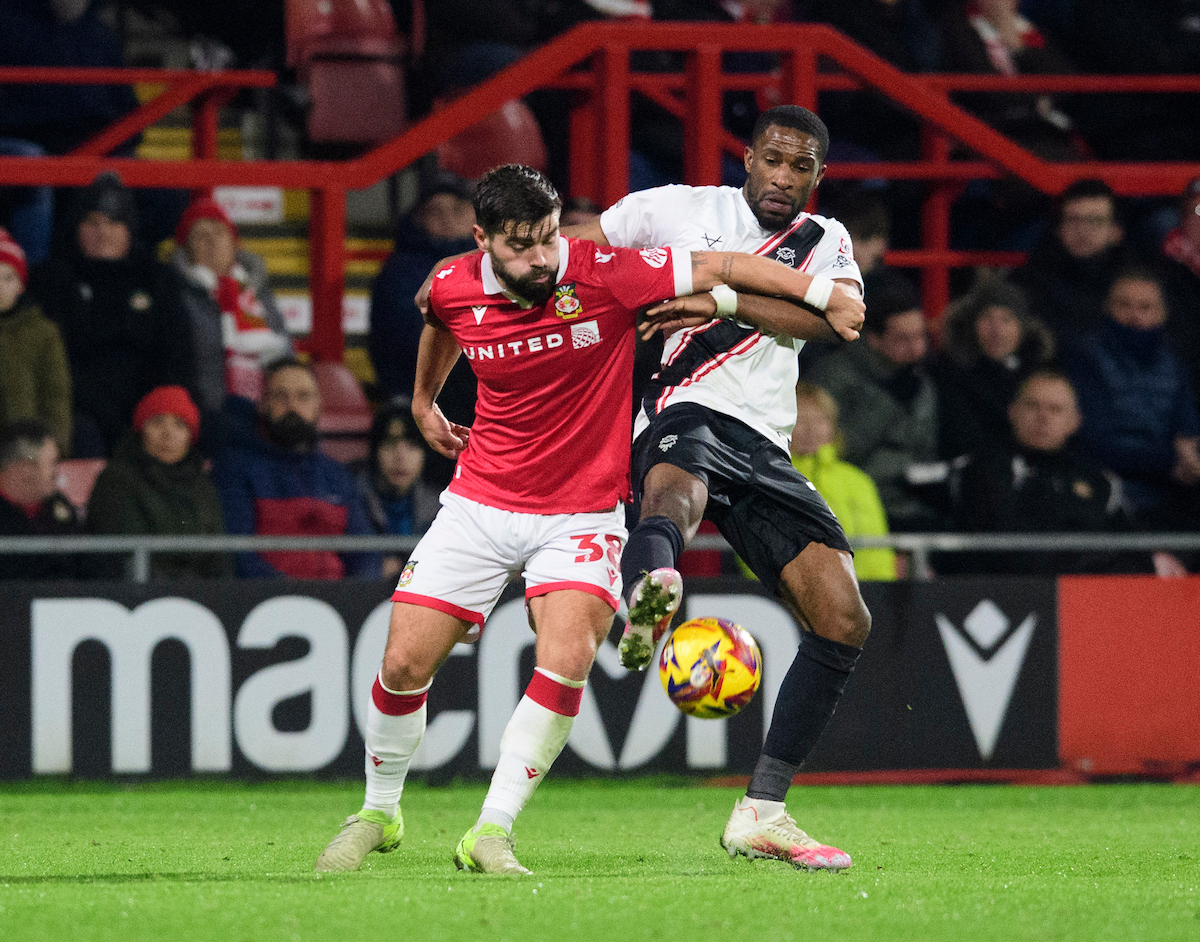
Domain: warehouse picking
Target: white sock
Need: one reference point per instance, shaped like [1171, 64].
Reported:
[766, 809]
[395, 725]
[532, 740]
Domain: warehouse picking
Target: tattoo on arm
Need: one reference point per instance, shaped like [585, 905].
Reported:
[726, 268]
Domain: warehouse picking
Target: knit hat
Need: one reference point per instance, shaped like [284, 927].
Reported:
[12, 254]
[204, 207]
[108, 195]
[172, 400]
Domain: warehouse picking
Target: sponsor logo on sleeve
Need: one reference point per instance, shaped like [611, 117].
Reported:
[566, 303]
[655, 258]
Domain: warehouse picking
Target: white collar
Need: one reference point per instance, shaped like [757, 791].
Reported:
[491, 284]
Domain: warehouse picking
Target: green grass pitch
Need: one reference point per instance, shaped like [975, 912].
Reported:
[612, 860]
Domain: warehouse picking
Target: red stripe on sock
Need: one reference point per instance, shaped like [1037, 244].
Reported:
[396, 704]
[554, 696]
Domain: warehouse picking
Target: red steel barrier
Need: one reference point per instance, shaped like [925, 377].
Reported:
[592, 60]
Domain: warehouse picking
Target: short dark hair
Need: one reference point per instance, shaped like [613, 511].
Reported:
[513, 195]
[287, 363]
[20, 437]
[1137, 271]
[796, 118]
[1085, 189]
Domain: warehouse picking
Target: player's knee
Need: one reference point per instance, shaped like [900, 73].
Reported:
[857, 623]
[402, 670]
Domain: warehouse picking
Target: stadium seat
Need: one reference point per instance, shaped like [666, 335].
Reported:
[76, 477]
[510, 135]
[345, 413]
[348, 55]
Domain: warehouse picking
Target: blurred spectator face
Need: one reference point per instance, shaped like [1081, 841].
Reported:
[869, 252]
[998, 331]
[211, 244]
[400, 460]
[30, 478]
[814, 426]
[994, 10]
[1136, 303]
[1044, 415]
[292, 390]
[525, 257]
[784, 169]
[10, 287]
[166, 437]
[103, 238]
[904, 339]
[579, 210]
[1088, 226]
[446, 217]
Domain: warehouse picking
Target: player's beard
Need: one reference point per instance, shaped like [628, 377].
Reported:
[527, 287]
[775, 222]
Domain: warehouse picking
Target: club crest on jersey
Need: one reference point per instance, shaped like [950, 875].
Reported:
[566, 303]
[584, 335]
[655, 258]
[665, 443]
[787, 255]
[407, 574]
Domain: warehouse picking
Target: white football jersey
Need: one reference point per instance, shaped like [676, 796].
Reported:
[728, 366]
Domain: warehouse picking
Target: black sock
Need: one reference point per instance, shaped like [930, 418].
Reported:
[807, 698]
[655, 543]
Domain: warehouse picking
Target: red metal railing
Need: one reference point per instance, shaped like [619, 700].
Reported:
[593, 61]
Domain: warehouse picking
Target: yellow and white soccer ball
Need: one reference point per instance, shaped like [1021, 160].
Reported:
[710, 667]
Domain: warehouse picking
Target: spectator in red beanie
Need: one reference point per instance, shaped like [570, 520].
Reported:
[236, 326]
[156, 484]
[35, 382]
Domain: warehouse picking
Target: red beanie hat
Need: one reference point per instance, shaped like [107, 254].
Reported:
[172, 400]
[12, 254]
[203, 208]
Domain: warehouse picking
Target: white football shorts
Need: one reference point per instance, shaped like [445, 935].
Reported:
[472, 551]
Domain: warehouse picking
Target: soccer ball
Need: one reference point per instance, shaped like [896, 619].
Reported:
[710, 667]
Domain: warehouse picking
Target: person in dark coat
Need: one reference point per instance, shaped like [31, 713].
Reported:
[1038, 482]
[120, 313]
[1139, 408]
[30, 503]
[989, 345]
[274, 481]
[438, 226]
[156, 484]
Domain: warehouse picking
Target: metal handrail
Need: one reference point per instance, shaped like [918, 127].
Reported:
[920, 545]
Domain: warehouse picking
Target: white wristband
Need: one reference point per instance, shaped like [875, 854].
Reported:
[726, 299]
[819, 292]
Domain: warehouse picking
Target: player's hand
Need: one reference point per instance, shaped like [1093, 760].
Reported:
[670, 316]
[845, 312]
[447, 438]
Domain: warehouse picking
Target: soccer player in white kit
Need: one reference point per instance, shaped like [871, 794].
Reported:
[538, 489]
[712, 440]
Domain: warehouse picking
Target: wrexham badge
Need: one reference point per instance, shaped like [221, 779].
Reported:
[566, 302]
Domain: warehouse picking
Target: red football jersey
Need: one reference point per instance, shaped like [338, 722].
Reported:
[554, 415]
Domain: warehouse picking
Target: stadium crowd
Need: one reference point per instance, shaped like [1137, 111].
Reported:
[1060, 396]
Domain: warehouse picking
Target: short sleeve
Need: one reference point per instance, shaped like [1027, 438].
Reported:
[646, 218]
[638, 277]
[834, 256]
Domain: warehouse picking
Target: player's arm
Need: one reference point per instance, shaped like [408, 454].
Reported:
[436, 356]
[421, 298]
[803, 297]
[590, 230]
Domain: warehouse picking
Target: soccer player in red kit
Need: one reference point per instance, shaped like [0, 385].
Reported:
[548, 324]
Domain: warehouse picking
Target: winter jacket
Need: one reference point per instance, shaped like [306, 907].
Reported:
[210, 334]
[854, 499]
[272, 492]
[124, 329]
[1136, 397]
[883, 435]
[1011, 489]
[34, 379]
[136, 494]
[55, 517]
